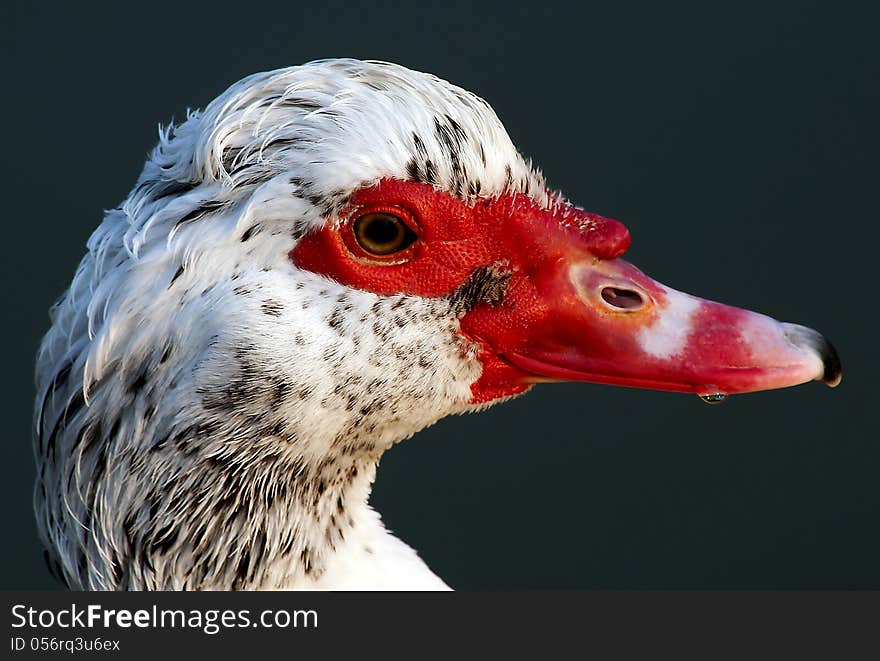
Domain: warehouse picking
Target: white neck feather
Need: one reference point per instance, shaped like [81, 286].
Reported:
[371, 558]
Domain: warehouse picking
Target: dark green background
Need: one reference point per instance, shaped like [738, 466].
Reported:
[740, 145]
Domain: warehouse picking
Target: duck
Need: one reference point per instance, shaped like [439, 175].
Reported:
[325, 260]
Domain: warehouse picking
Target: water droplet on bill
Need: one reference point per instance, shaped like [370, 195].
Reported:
[715, 398]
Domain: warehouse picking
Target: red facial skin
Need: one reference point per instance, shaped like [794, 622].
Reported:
[552, 324]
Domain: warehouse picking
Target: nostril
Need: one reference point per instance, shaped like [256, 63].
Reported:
[622, 299]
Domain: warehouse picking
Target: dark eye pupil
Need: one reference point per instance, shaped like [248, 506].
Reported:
[383, 229]
[382, 233]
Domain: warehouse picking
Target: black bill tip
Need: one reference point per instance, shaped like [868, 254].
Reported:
[833, 370]
[808, 338]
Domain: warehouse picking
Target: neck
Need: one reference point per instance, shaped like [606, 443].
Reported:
[271, 524]
[245, 463]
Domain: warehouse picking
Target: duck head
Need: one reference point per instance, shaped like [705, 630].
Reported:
[327, 259]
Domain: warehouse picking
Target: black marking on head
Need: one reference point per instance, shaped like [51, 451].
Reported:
[458, 132]
[279, 144]
[420, 146]
[445, 132]
[242, 290]
[254, 177]
[300, 103]
[453, 138]
[228, 157]
[139, 381]
[336, 318]
[412, 170]
[204, 209]
[177, 274]
[508, 177]
[272, 307]
[318, 201]
[381, 331]
[76, 403]
[249, 232]
[166, 352]
[430, 172]
[166, 188]
[326, 203]
[281, 390]
[330, 353]
[487, 284]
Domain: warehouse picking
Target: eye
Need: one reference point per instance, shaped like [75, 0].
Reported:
[382, 234]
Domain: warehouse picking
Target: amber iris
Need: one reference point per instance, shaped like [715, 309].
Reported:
[382, 234]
